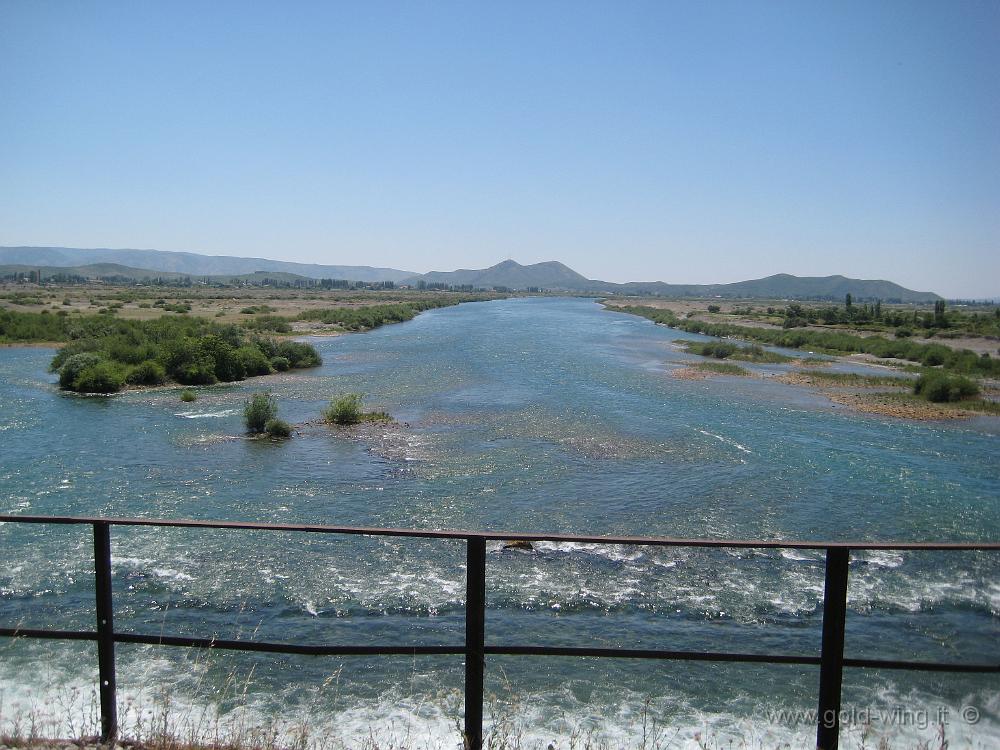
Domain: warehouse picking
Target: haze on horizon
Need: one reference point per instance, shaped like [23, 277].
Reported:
[639, 141]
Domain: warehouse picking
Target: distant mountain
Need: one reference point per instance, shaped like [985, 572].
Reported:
[190, 264]
[786, 286]
[549, 275]
[89, 271]
[556, 276]
[115, 270]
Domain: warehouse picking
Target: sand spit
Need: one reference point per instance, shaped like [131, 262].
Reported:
[691, 373]
[864, 398]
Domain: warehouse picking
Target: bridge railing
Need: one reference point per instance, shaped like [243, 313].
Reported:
[475, 649]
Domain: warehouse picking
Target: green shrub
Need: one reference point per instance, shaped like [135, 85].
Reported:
[270, 323]
[344, 409]
[192, 351]
[935, 355]
[940, 387]
[258, 410]
[299, 354]
[716, 349]
[103, 377]
[281, 364]
[73, 366]
[254, 361]
[278, 428]
[199, 371]
[149, 372]
[228, 362]
[187, 396]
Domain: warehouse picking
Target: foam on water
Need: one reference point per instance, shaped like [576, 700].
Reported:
[726, 440]
[64, 704]
[206, 414]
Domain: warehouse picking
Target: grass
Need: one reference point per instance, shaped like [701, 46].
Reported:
[346, 410]
[722, 368]
[854, 380]
[729, 350]
[274, 310]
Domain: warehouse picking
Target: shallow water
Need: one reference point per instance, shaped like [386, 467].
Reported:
[527, 414]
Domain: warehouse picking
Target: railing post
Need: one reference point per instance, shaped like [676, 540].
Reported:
[831, 668]
[105, 632]
[475, 637]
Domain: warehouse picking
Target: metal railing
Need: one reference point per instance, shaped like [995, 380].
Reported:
[830, 660]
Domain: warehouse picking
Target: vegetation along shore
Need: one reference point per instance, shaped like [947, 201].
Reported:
[130, 342]
[938, 382]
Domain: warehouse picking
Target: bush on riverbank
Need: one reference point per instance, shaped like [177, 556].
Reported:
[149, 372]
[836, 342]
[373, 316]
[189, 351]
[728, 350]
[940, 387]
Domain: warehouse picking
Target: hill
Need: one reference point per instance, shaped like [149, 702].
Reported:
[190, 264]
[548, 275]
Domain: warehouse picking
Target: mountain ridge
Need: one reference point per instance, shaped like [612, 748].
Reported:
[190, 264]
[550, 275]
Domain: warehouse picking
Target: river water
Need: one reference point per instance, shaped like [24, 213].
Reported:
[523, 415]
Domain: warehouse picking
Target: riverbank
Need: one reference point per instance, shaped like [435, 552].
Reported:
[865, 394]
[104, 353]
[831, 341]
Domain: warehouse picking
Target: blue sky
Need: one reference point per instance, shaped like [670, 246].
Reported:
[686, 142]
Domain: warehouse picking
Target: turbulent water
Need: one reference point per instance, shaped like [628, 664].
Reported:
[528, 414]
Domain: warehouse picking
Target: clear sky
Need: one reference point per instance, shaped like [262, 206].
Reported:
[674, 141]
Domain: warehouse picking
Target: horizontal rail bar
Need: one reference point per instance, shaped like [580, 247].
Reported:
[286, 648]
[624, 653]
[509, 535]
[57, 635]
[235, 645]
[617, 653]
[631, 653]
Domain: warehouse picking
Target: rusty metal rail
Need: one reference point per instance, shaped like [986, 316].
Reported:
[830, 660]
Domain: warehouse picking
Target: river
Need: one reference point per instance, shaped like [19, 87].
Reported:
[546, 415]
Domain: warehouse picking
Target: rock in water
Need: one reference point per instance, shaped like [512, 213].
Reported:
[518, 544]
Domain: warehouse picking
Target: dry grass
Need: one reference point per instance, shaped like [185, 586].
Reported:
[220, 304]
